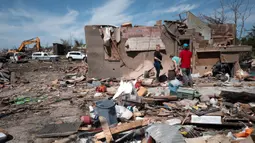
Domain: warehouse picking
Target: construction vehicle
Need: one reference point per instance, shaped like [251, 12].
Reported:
[27, 42]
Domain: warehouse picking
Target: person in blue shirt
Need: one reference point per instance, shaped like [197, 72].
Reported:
[176, 61]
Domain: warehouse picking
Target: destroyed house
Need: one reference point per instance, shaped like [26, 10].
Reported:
[127, 51]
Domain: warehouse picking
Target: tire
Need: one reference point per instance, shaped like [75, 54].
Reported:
[70, 59]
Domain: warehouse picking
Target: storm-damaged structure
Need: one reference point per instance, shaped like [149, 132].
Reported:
[127, 51]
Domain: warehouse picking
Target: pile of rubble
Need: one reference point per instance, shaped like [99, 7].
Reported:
[5, 76]
[80, 69]
[142, 111]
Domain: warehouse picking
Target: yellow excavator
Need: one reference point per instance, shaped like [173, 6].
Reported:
[27, 42]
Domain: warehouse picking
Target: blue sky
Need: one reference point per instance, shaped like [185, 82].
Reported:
[51, 20]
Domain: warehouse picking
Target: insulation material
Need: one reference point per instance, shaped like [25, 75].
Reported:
[107, 34]
[229, 58]
[117, 34]
[143, 44]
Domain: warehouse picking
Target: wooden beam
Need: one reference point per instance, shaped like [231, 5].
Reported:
[123, 127]
[106, 129]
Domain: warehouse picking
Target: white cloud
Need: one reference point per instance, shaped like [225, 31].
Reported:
[112, 12]
[49, 27]
[150, 23]
[177, 8]
[182, 8]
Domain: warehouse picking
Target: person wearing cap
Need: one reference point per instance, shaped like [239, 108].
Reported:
[185, 65]
[157, 61]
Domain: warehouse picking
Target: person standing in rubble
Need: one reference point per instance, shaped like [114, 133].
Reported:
[185, 65]
[176, 61]
[157, 61]
[174, 67]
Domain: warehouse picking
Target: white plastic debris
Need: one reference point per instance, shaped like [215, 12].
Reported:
[91, 112]
[139, 118]
[214, 102]
[174, 121]
[206, 119]
[123, 113]
[98, 94]
[197, 75]
[124, 88]
[176, 82]
[228, 76]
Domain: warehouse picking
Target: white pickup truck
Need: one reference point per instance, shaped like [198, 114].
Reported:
[42, 56]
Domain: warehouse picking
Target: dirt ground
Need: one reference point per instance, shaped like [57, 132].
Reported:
[55, 105]
[54, 101]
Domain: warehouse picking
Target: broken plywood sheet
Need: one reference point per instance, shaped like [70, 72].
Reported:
[229, 58]
[143, 44]
[139, 71]
[146, 66]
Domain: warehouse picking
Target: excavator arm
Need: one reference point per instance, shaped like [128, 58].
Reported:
[30, 41]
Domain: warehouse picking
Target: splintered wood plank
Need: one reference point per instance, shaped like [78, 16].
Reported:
[106, 129]
[123, 127]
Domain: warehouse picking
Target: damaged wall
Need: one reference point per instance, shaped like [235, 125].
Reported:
[194, 22]
[223, 33]
[132, 63]
[207, 57]
[98, 66]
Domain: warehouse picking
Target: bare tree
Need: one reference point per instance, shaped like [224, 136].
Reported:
[244, 16]
[237, 11]
[241, 11]
[65, 42]
[219, 16]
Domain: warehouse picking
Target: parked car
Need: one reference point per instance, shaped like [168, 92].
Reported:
[43, 56]
[76, 55]
[18, 57]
